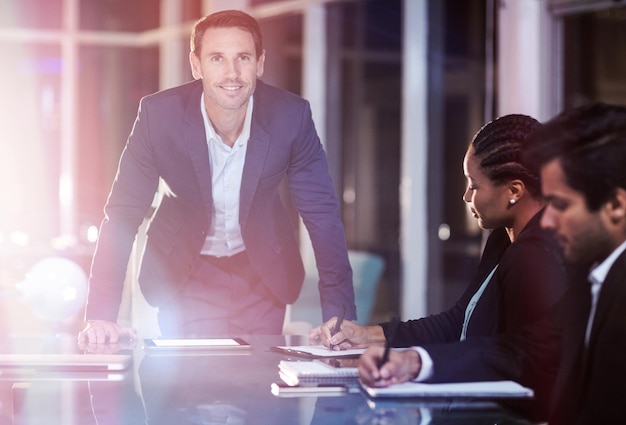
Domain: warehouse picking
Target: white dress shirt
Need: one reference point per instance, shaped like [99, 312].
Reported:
[224, 237]
[596, 277]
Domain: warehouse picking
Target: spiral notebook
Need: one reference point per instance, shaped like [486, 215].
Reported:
[328, 371]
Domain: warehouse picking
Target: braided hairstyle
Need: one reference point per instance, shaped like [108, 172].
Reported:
[498, 146]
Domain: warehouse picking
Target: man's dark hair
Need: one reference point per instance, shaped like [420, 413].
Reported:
[590, 143]
[226, 19]
[498, 146]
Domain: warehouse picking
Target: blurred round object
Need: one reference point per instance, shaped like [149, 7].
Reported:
[55, 289]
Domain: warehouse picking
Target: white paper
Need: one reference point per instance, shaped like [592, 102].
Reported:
[486, 389]
[320, 351]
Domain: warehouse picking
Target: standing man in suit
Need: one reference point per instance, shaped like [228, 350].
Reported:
[582, 159]
[222, 255]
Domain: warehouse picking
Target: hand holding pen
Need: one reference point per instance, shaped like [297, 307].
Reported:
[345, 334]
[338, 323]
[382, 367]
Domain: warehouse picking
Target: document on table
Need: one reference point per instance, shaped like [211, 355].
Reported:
[317, 371]
[317, 351]
[483, 389]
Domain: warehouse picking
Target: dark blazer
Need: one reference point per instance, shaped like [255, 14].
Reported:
[167, 148]
[528, 281]
[591, 383]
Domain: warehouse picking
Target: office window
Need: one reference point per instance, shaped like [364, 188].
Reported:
[594, 63]
[119, 15]
[31, 14]
[111, 82]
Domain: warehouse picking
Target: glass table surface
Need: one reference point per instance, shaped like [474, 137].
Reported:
[212, 387]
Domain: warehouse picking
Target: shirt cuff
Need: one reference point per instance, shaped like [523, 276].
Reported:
[426, 372]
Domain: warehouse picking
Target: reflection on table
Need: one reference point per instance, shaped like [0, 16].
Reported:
[214, 388]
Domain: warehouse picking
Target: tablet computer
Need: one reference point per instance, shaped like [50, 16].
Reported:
[65, 362]
[35, 356]
[195, 344]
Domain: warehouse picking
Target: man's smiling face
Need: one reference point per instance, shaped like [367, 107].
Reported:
[228, 66]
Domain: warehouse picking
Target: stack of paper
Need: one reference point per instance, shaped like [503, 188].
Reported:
[316, 371]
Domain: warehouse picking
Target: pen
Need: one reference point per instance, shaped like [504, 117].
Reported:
[395, 320]
[338, 323]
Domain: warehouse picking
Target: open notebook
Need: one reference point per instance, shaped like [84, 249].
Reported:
[317, 351]
[486, 389]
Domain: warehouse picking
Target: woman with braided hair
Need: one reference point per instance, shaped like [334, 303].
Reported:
[520, 276]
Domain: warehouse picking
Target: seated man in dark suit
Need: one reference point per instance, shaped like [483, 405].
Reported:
[582, 157]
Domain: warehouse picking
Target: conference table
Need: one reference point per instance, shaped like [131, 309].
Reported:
[214, 387]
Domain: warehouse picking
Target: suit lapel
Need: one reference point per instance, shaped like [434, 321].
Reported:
[194, 136]
[256, 154]
[567, 388]
[612, 288]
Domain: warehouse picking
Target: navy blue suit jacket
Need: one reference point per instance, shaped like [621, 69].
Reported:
[168, 146]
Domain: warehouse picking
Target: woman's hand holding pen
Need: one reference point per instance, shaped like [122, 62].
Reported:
[400, 366]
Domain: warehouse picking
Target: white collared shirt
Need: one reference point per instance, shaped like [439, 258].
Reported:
[224, 237]
[596, 277]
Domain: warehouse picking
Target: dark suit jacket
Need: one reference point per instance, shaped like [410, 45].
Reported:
[168, 145]
[591, 384]
[529, 280]
[590, 381]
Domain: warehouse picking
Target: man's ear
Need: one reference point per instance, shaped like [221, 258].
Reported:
[194, 62]
[260, 66]
[617, 206]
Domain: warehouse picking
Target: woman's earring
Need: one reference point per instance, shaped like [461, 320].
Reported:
[512, 201]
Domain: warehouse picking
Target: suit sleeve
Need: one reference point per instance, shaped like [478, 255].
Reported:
[314, 197]
[128, 203]
[528, 349]
[534, 281]
[437, 328]
[530, 357]
[446, 326]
